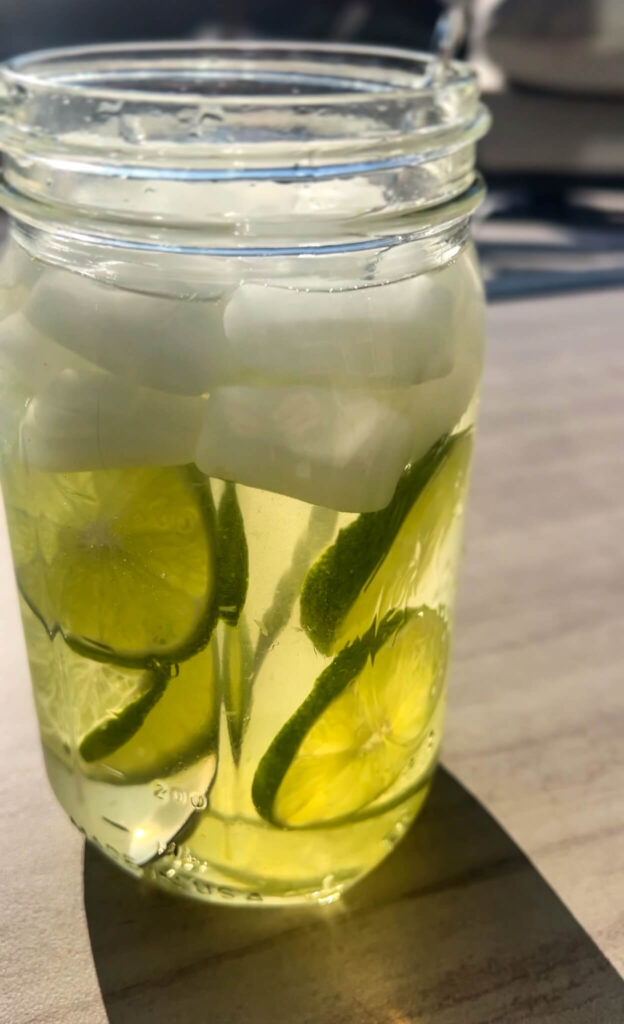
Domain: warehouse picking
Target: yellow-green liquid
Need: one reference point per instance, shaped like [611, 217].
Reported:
[194, 827]
[212, 841]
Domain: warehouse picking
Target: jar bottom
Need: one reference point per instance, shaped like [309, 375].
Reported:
[240, 861]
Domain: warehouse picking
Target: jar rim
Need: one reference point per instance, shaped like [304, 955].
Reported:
[75, 69]
[250, 141]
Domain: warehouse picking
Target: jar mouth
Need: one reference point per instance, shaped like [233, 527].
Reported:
[240, 73]
[221, 134]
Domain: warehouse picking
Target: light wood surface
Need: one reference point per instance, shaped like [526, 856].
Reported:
[457, 927]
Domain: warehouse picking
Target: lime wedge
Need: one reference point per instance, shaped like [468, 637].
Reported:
[82, 703]
[180, 727]
[121, 562]
[118, 726]
[375, 562]
[359, 727]
[127, 725]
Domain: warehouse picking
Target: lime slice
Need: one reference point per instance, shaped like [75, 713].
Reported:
[120, 724]
[233, 556]
[359, 727]
[180, 728]
[121, 562]
[127, 725]
[375, 562]
[83, 703]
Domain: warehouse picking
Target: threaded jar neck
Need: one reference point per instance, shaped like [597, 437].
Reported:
[238, 145]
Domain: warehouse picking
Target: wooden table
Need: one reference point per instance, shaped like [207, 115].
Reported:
[457, 927]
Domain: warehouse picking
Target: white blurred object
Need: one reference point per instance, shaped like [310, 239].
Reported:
[450, 28]
[92, 420]
[173, 345]
[491, 77]
[394, 334]
[563, 63]
[567, 46]
[343, 450]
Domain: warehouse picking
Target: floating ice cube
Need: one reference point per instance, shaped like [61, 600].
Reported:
[18, 272]
[254, 200]
[436, 407]
[92, 420]
[186, 278]
[169, 344]
[343, 450]
[29, 357]
[393, 334]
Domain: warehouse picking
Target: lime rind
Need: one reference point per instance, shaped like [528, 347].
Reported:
[180, 728]
[150, 603]
[80, 703]
[347, 577]
[111, 734]
[232, 557]
[129, 716]
[348, 738]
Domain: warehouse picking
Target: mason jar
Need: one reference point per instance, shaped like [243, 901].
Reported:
[240, 346]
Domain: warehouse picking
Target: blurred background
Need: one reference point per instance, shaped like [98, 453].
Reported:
[552, 72]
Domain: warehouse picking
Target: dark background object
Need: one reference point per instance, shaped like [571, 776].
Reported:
[552, 74]
[31, 24]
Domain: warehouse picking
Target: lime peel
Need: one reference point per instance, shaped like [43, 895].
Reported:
[389, 681]
[117, 729]
[346, 570]
[180, 727]
[122, 563]
[232, 557]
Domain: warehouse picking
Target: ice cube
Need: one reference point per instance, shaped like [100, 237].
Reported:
[256, 200]
[436, 407]
[164, 343]
[18, 272]
[92, 420]
[31, 358]
[340, 449]
[393, 334]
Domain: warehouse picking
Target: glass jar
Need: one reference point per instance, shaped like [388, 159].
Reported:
[240, 346]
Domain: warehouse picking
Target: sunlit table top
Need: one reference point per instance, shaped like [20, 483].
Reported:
[472, 920]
